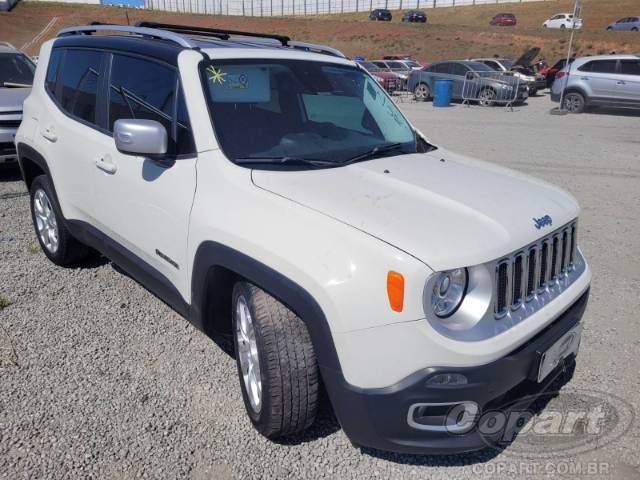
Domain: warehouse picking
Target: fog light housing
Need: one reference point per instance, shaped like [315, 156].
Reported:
[446, 379]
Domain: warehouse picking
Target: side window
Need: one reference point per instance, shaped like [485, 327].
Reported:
[604, 66]
[52, 70]
[441, 68]
[459, 70]
[630, 67]
[79, 82]
[147, 90]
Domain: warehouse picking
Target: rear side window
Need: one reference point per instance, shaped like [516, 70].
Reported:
[440, 68]
[599, 66]
[79, 81]
[144, 89]
[630, 67]
[52, 70]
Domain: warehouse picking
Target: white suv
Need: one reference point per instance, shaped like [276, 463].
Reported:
[271, 191]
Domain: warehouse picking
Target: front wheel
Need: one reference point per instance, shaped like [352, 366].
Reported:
[574, 102]
[276, 363]
[563, 26]
[422, 92]
[634, 29]
[487, 97]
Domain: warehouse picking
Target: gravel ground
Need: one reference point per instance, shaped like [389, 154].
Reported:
[100, 379]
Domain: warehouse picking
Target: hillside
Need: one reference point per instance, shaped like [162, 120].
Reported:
[456, 32]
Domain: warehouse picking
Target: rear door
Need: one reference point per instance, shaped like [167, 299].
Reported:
[628, 81]
[144, 203]
[600, 78]
[461, 77]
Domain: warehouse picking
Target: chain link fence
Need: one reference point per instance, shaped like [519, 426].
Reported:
[274, 8]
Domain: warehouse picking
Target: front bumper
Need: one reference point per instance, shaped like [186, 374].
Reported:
[8, 152]
[378, 418]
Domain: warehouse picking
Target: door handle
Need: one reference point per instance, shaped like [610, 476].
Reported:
[49, 134]
[584, 78]
[106, 165]
[621, 82]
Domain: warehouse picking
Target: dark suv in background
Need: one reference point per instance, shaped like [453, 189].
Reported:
[380, 15]
[414, 16]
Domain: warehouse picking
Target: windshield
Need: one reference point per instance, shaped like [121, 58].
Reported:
[16, 68]
[301, 110]
[412, 64]
[507, 63]
[396, 66]
[370, 67]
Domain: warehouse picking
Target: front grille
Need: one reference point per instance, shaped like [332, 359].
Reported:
[7, 148]
[9, 123]
[528, 273]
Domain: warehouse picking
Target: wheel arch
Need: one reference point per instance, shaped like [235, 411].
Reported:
[581, 91]
[31, 164]
[216, 267]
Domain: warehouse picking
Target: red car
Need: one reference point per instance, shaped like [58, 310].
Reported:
[503, 20]
[387, 80]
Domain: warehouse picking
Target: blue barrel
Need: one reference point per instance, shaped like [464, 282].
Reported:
[442, 94]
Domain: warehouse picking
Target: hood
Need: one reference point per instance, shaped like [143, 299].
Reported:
[527, 57]
[452, 213]
[11, 99]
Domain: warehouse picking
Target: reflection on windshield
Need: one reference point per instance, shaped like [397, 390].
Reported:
[302, 110]
[16, 68]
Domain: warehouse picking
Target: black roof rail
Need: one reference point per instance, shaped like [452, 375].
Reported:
[212, 32]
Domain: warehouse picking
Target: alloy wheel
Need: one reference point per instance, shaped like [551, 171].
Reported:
[248, 353]
[46, 223]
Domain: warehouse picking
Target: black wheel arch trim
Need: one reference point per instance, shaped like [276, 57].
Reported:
[26, 151]
[212, 254]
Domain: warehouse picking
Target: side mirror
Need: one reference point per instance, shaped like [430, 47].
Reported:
[140, 137]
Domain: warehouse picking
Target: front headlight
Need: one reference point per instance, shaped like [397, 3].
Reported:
[448, 292]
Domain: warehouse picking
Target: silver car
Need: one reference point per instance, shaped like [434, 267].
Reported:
[606, 80]
[16, 77]
[628, 23]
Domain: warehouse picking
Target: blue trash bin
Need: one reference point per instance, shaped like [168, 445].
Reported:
[442, 94]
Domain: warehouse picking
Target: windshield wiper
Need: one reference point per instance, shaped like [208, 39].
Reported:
[284, 161]
[15, 85]
[374, 152]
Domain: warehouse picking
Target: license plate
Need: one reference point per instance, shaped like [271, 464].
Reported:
[565, 346]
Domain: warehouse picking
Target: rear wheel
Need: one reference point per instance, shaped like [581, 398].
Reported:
[54, 238]
[487, 97]
[276, 363]
[609, 28]
[574, 102]
[634, 29]
[422, 92]
[563, 26]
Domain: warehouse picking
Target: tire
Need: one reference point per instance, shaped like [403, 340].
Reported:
[54, 238]
[270, 338]
[634, 29]
[487, 97]
[422, 92]
[574, 102]
[563, 26]
[609, 28]
[533, 92]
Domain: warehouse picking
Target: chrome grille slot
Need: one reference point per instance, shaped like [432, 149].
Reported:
[536, 273]
[517, 295]
[532, 273]
[501, 301]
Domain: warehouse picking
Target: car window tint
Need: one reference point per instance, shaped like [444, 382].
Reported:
[141, 89]
[603, 66]
[79, 81]
[52, 70]
[440, 68]
[459, 69]
[630, 67]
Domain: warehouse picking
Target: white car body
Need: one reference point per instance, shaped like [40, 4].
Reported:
[334, 232]
[563, 20]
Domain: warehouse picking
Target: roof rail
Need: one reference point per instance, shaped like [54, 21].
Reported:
[312, 47]
[212, 32]
[145, 32]
[7, 44]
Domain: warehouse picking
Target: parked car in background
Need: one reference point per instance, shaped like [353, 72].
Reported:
[414, 16]
[6, 5]
[412, 64]
[395, 66]
[550, 73]
[628, 23]
[467, 77]
[503, 20]
[389, 81]
[521, 69]
[16, 78]
[563, 20]
[605, 80]
[398, 56]
[381, 15]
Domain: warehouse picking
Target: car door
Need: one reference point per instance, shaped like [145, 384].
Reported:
[628, 82]
[146, 203]
[600, 78]
[70, 127]
[461, 78]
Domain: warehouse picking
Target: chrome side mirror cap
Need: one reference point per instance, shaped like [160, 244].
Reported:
[140, 137]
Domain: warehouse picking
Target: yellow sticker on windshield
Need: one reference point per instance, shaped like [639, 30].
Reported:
[216, 75]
